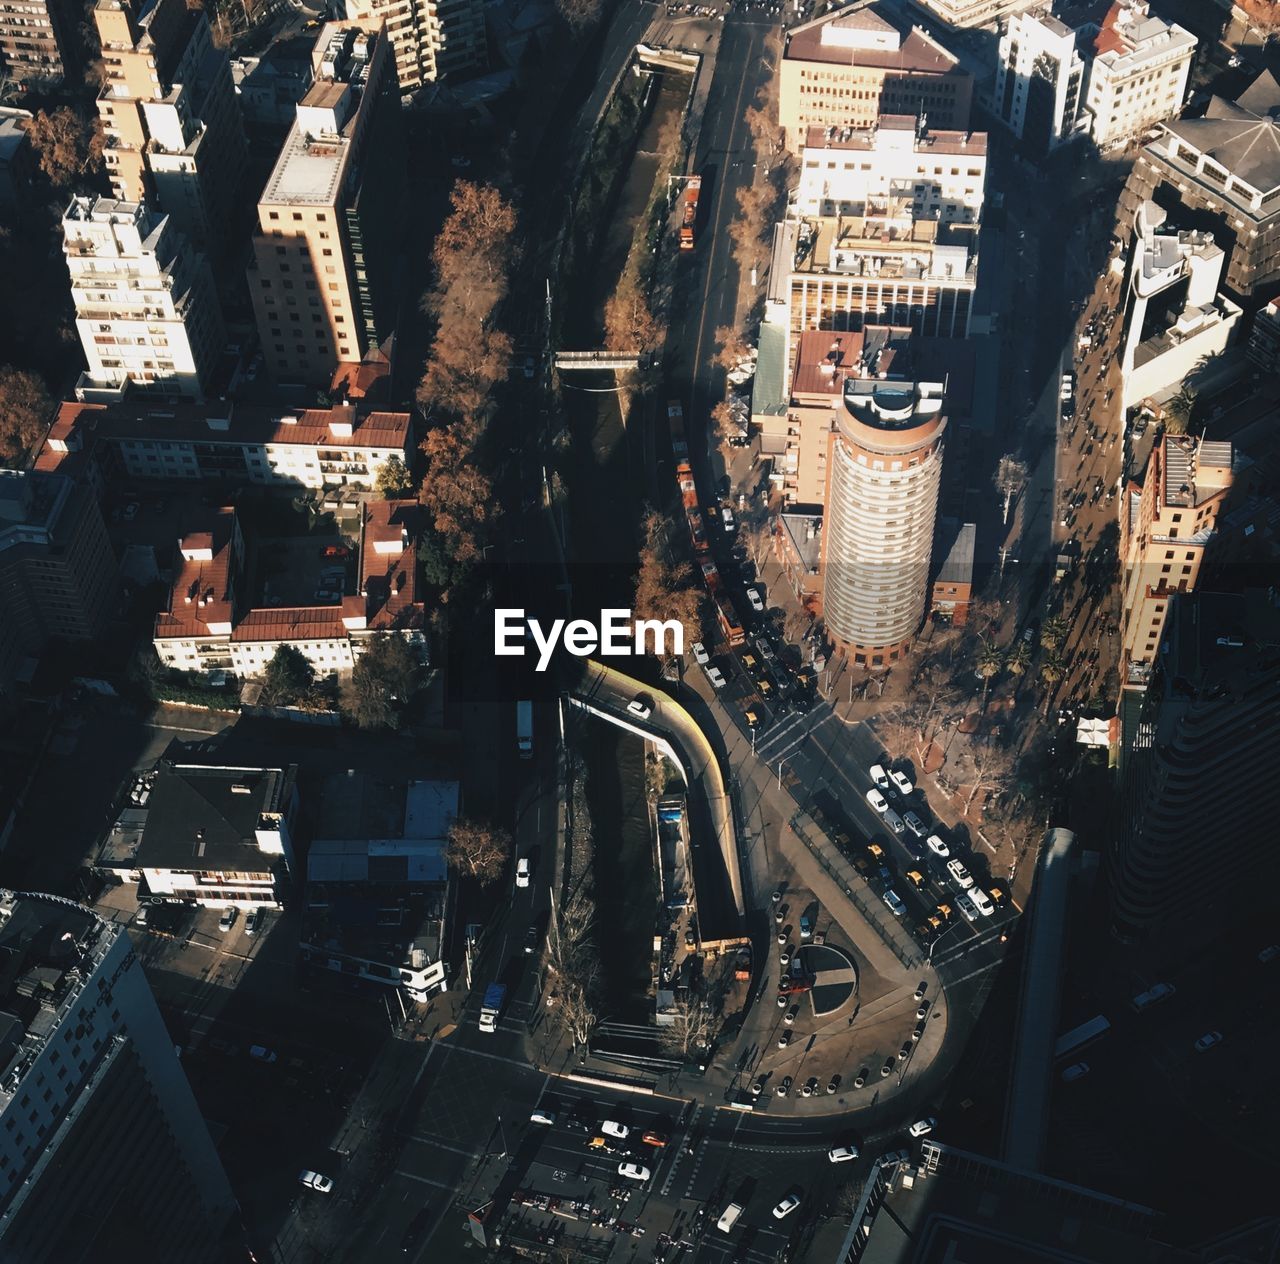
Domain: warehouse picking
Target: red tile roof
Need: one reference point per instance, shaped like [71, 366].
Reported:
[202, 590]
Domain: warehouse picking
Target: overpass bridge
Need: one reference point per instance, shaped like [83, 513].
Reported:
[570, 361]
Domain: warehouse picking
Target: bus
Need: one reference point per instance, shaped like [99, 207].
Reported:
[1080, 1036]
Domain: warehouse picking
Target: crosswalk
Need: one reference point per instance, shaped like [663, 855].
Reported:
[680, 1155]
[789, 736]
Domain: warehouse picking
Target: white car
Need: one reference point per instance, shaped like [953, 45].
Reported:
[641, 706]
[878, 801]
[902, 781]
[634, 1171]
[879, 776]
[922, 1127]
[716, 677]
[1076, 1071]
[522, 871]
[1208, 1040]
[842, 1154]
[727, 518]
[313, 1180]
[757, 604]
[981, 901]
[786, 1206]
[894, 901]
[612, 1128]
[962, 877]
[544, 1117]
[227, 920]
[700, 655]
[935, 844]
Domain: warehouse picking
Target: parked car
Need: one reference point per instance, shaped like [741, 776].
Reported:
[937, 846]
[879, 776]
[1208, 1040]
[915, 824]
[641, 706]
[228, 919]
[727, 518]
[1153, 995]
[968, 910]
[612, 1128]
[545, 1117]
[902, 781]
[254, 924]
[1074, 1072]
[313, 1180]
[981, 901]
[757, 604]
[716, 677]
[922, 1127]
[700, 655]
[894, 901]
[842, 1154]
[894, 821]
[260, 1053]
[532, 937]
[878, 801]
[652, 1137]
[959, 874]
[634, 1171]
[786, 1206]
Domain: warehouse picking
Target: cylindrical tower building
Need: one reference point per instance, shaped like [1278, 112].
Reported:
[884, 466]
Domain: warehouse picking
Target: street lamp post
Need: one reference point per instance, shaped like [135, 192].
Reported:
[936, 942]
[780, 763]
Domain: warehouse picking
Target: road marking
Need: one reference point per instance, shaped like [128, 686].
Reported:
[426, 1180]
[492, 1057]
[428, 1138]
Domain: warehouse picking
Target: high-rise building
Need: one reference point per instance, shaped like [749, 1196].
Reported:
[1174, 317]
[432, 38]
[322, 278]
[1138, 73]
[35, 39]
[1040, 81]
[848, 67]
[1167, 522]
[169, 110]
[57, 570]
[1210, 718]
[146, 310]
[974, 13]
[103, 1153]
[1221, 173]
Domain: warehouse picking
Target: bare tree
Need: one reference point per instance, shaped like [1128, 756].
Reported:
[724, 424]
[694, 1028]
[798, 621]
[1010, 479]
[478, 851]
[664, 586]
[757, 539]
[734, 347]
[991, 769]
[576, 1005]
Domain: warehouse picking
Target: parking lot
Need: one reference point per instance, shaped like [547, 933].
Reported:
[302, 570]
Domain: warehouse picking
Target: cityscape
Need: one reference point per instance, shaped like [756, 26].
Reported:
[629, 631]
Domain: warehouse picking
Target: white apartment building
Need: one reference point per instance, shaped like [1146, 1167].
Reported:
[431, 38]
[96, 1110]
[845, 171]
[974, 13]
[146, 309]
[1138, 75]
[1175, 317]
[1040, 81]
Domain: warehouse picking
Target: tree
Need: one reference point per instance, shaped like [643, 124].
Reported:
[473, 251]
[67, 144]
[579, 14]
[1052, 670]
[25, 409]
[734, 347]
[990, 661]
[693, 1027]
[1010, 479]
[1179, 410]
[1018, 659]
[798, 621]
[664, 589]
[478, 851]
[288, 679]
[724, 424]
[467, 361]
[991, 769]
[456, 492]
[384, 680]
[757, 539]
[394, 480]
[629, 323]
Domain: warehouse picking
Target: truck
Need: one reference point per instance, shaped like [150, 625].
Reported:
[689, 219]
[495, 996]
[524, 729]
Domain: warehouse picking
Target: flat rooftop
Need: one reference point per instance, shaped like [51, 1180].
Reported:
[864, 140]
[916, 53]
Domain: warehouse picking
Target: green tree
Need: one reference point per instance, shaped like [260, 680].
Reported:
[394, 482]
[1054, 633]
[383, 682]
[1052, 670]
[289, 678]
[25, 412]
[1179, 411]
[990, 661]
[1019, 658]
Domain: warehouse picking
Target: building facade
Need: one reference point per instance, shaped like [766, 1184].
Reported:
[1040, 81]
[58, 577]
[234, 443]
[432, 39]
[1264, 338]
[173, 126]
[1137, 75]
[975, 13]
[1221, 173]
[847, 68]
[322, 278]
[35, 40]
[1167, 522]
[852, 172]
[1174, 317]
[103, 1152]
[146, 310]
[1211, 717]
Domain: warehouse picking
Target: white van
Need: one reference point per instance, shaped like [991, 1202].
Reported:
[729, 1218]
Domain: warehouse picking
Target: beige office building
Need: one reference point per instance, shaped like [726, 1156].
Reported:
[847, 68]
[322, 276]
[1167, 521]
[169, 110]
[432, 38]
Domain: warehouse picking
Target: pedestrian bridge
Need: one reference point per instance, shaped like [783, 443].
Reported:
[569, 361]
